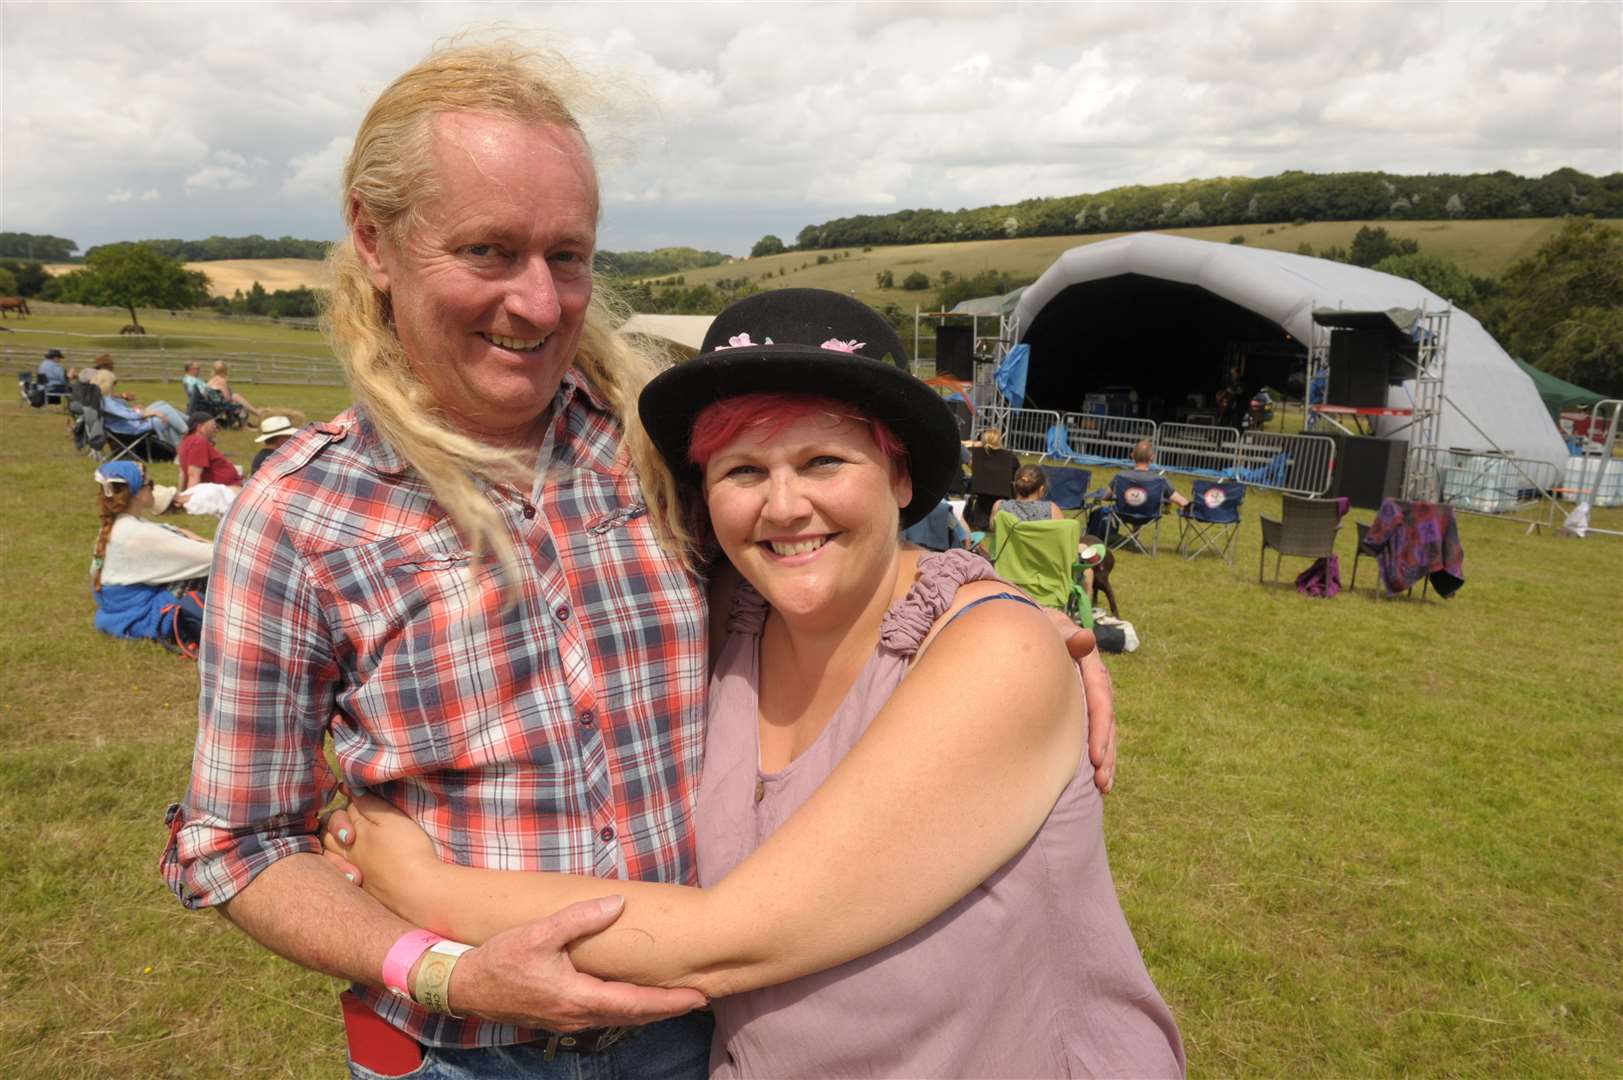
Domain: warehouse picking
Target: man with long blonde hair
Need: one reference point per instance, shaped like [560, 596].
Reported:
[469, 584]
[459, 581]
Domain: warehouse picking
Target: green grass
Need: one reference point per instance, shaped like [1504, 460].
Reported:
[77, 328]
[1354, 837]
[1479, 247]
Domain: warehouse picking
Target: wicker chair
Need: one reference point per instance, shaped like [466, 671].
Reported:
[1308, 530]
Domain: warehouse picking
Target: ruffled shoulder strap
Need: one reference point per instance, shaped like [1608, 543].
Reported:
[748, 615]
[906, 625]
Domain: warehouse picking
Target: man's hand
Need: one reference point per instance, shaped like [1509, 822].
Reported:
[524, 976]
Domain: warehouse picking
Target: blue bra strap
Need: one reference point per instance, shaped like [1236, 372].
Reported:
[995, 596]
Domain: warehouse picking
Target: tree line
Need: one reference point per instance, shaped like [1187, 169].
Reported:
[1290, 196]
[666, 260]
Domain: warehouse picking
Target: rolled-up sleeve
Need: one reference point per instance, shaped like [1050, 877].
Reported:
[259, 777]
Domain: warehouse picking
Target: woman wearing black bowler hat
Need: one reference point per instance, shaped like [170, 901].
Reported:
[899, 836]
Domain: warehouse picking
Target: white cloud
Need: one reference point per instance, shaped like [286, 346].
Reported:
[226, 171]
[317, 174]
[802, 110]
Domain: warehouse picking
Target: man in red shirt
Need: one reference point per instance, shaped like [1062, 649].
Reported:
[200, 462]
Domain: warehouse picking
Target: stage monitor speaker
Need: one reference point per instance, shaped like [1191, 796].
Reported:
[955, 351]
[1369, 470]
[1361, 366]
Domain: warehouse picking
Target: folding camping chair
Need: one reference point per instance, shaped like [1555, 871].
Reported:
[121, 437]
[1307, 528]
[209, 400]
[1133, 506]
[1067, 487]
[991, 477]
[1040, 557]
[84, 405]
[1213, 515]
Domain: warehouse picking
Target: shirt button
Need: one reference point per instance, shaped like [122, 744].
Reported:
[607, 833]
[529, 511]
[562, 612]
[587, 718]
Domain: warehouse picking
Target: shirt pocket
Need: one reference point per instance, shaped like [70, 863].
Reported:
[406, 615]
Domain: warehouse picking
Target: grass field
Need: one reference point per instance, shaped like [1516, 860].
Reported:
[1354, 837]
[82, 332]
[1479, 247]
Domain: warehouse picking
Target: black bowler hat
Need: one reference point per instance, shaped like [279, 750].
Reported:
[815, 342]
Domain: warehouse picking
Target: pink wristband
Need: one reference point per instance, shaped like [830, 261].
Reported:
[402, 955]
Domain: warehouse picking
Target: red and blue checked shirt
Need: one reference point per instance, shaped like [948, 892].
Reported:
[564, 732]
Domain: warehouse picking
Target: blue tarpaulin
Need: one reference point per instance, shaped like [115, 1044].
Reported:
[1011, 375]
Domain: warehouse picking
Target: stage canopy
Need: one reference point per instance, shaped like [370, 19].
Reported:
[1167, 315]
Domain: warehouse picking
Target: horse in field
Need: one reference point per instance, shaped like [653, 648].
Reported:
[9, 304]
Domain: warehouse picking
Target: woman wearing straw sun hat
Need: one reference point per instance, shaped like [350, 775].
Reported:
[892, 885]
[273, 432]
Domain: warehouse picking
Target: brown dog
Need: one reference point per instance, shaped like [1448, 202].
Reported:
[1101, 575]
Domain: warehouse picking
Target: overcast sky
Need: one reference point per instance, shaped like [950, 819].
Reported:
[131, 121]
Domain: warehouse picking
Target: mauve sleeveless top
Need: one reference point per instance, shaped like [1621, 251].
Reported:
[1033, 974]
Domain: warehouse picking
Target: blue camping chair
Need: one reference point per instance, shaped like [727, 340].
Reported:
[1133, 506]
[1211, 518]
[1067, 487]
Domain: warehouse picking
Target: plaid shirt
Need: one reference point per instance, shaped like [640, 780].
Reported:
[564, 733]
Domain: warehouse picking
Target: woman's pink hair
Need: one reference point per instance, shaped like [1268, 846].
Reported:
[721, 423]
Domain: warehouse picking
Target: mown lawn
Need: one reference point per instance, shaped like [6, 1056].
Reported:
[1355, 837]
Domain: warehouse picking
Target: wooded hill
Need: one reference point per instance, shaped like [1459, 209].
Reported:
[1237, 200]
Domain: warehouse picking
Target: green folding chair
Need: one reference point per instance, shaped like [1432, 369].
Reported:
[1040, 557]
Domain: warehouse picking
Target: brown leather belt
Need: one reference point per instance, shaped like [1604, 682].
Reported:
[590, 1041]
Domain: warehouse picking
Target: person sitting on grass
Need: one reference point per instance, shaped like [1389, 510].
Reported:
[145, 576]
[200, 462]
[1030, 502]
[275, 431]
[219, 382]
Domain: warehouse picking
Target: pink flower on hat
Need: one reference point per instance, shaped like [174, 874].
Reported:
[836, 345]
[741, 341]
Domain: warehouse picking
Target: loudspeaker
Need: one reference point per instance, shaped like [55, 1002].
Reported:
[955, 351]
[1369, 470]
[1361, 366]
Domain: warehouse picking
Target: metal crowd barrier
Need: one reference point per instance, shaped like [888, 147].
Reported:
[1196, 448]
[1107, 438]
[1306, 468]
[1494, 483]
[1025, 431]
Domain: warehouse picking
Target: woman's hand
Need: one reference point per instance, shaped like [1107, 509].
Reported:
[386, 852]
[1101, 698]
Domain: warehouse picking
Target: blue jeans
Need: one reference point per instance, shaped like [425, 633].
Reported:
[676, 1049]
[173, 420]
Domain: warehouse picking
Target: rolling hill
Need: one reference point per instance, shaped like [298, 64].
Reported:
[1485, 248]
